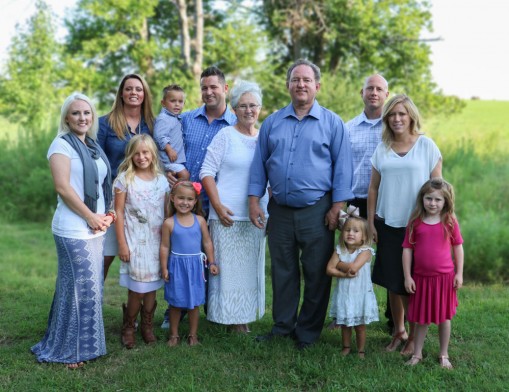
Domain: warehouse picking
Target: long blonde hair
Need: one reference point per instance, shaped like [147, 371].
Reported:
[128, 167]
[447, 215]
[413, 112]
[116, 117]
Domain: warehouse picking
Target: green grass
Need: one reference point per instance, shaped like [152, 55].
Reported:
[227, 362]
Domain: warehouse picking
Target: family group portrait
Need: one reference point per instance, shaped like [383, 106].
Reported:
[247, 195]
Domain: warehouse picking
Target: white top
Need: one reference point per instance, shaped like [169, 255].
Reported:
[402, 177]
[228, 160]
[66, 223]
[143, 218]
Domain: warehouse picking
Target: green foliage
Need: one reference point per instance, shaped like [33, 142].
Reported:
[226, 361]
[29, 88]
[355, 38]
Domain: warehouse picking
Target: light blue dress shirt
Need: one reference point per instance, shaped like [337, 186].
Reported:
[302, 159]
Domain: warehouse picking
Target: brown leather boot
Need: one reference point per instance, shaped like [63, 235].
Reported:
[147, 324]
[128, 329]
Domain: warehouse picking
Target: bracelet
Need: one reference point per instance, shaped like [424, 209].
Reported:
[213, 263]
[113, 215]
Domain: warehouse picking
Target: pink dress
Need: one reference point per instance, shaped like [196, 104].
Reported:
[433, 271]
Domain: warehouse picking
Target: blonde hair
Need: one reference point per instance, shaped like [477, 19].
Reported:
[366, 240]
[447, 215]
[413, 112]
[116, 117]
[63, 128]
[128, 167]
[197, 209]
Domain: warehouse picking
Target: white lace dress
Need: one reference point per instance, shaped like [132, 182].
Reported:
[144, 216]
[237, 294]
[353, 300]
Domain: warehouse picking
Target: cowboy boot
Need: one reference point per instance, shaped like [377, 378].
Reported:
[128, 328]
[147, 324]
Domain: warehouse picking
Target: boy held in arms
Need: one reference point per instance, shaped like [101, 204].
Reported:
[168, 132]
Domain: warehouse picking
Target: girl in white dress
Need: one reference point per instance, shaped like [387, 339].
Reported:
[141, 194]
[353, 302]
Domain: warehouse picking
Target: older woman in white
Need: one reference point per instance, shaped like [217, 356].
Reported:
[237, 294]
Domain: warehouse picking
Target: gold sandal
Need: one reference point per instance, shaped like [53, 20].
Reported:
[444, 362]
[173, 341]
[415, 360]
[192, 340]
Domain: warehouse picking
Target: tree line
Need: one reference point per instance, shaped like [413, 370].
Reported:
[170, 41]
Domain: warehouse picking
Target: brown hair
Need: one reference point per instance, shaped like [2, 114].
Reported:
[116, 117]
[186, 184]
[447, 215]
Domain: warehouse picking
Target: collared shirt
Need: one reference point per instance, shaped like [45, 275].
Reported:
[113, 147]
[168, 130]
[364, 135]
[302, 159]
[198, 134]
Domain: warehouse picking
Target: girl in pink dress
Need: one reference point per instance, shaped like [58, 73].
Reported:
[432, 277]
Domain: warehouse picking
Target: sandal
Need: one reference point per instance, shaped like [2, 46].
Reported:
[397, 339]
[345, 351]
[74, 366]
[361, 354]
[192, 340]
[444, 362]
[415, 360]
[173, 341]
[408, 348]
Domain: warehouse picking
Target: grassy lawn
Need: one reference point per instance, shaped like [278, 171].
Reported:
[226, 361]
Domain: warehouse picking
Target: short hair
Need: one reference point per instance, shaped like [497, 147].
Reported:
[213, 71]
[172, 87]
[373, 75]
[243, 87]
[314, 67]
[63, 128]
[413, 112]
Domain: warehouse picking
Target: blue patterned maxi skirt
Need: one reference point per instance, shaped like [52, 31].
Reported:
[75, 325]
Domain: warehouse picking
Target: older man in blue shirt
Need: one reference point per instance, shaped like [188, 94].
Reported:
[304, 153]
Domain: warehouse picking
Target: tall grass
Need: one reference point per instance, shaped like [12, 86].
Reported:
[474, 144]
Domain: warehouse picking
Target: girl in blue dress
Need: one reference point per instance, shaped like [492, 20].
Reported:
[184, 234]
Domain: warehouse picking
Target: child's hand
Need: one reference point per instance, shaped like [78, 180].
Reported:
[351, 274]
[410, 285]
[165, 275]
[173, 155]
[458, 281]
[123, 253]
[213, 269]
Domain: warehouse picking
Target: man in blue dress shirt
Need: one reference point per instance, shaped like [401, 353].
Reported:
[304, 153]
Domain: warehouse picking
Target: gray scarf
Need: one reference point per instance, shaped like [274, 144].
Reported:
[88, 153]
